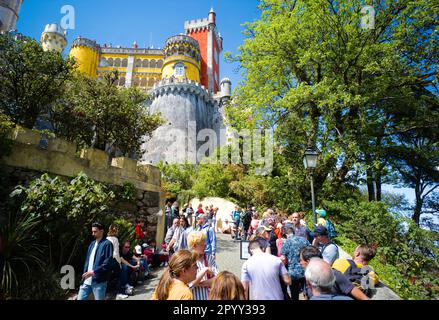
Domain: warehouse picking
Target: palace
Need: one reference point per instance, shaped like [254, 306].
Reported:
[182, 79]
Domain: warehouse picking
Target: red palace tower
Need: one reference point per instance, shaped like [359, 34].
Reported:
[211, 45]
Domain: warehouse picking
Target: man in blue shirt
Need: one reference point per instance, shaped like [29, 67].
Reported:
[97, 265]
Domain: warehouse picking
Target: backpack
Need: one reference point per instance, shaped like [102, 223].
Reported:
[360, 277]
[332, 233]
[236, 215]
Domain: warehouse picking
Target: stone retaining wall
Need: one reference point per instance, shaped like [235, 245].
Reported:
[32, 153]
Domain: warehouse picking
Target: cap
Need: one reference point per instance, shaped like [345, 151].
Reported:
[261, 229]
[320, 231]
[138, 249]
[321, 212]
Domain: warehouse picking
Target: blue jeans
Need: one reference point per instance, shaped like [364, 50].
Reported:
[98, 289]
[126, 271]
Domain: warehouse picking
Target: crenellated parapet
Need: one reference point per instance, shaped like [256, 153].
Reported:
[182, 45]
[57, 156]
[178, 86]
[87, 43]
[196, 25]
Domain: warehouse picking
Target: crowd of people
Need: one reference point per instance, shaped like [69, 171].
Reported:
[287, 259]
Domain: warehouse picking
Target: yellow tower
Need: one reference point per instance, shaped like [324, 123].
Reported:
[86, 53]
[54, 38]
[182, 58]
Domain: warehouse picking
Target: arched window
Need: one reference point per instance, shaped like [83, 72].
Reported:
[138, 63]
[122, 81]
[103, 62]
[110, 62]
[145, 63]
[136, 82]
[179, 70]
[151, 82]
[143, 82]
[117, 62]
[152, 64]
[125, 62]
[160, 64]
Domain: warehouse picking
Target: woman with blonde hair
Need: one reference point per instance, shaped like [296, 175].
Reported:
[227, 286]
[206, 266]
[173, 284]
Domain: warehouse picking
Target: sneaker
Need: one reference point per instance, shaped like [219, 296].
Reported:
[127, 286]
[121, 296]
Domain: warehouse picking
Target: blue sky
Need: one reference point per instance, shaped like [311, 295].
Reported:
[147, 22]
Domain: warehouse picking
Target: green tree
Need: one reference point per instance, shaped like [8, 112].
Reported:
[96, 113]
[416, 159]
[315, 76]
[66, 209]
[31, 79]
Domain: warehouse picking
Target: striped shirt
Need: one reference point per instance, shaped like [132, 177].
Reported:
[202, 293]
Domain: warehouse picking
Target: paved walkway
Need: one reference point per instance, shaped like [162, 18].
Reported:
[227, 259]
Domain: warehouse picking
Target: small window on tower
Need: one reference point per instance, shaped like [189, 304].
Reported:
[179, 70]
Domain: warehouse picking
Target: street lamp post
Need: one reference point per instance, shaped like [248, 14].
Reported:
[310, 162]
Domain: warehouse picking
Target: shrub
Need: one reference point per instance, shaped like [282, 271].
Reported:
[22, 253]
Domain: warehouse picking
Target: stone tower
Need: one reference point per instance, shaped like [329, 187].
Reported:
[9, 10]
[54, 38]
[185, 104]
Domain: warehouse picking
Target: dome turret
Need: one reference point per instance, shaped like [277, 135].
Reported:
[182, 58]
[54, 38]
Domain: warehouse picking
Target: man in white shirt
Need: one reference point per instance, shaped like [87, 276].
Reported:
[97, 265]
[262, 274]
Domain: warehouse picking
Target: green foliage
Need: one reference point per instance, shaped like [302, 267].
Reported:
[127, 231]
[31, 79]
[128, 191]
[67, 210]
[22, 254]
[311, 73]
[96, 113]
[177, 178]
[213, 180]
[5, 127]
[42, 285]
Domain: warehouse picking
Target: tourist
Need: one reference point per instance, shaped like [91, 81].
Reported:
[321, 279]
[327, 247]
[173, 284]
[206, 266]
[261, 273]
[97, 266]
[227, 286]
